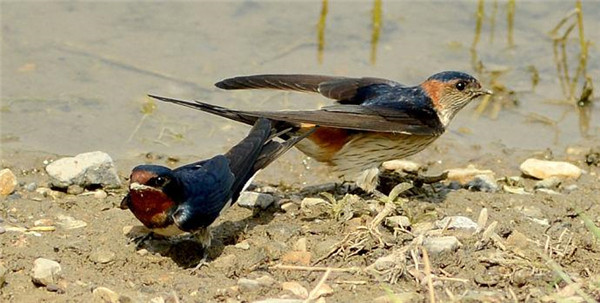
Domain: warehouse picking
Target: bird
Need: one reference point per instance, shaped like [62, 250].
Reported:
[372, 121]
[191, 197]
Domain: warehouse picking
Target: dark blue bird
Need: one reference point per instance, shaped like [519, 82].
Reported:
[191, 197]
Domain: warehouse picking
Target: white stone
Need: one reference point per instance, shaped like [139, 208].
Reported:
[248, 284]
[8, 182]
[456, 222]
[93, 168]
[441, 244]
[249, 199]
[45, 271]
[542, 169]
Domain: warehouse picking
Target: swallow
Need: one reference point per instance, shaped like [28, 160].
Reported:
[191, 197]
[372, 121]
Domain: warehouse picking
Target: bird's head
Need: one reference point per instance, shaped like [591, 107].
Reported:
[154, 193]
[450, 91]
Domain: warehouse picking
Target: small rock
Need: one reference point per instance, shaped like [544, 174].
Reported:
[74, 189]
[484, 183]
[397, 221]
[297, 258]
[142, 252]
[310, 202]
[422, 227]
[249, 199]
[3, 272]
[322, 248]
[441, 244]
[243, 245]
[548, 183]
[31, 187]
[295, 288]
[281, 232]
[45, 272]
[68, 222]
[399, 297]
[266, 280]
[100, 194]
[2, 230]
[547, 191]
[8, 182]
[542, 169]
[103, 294]
[43, 222]
[324, 290]
[102, 256]
[466, 175]
[248, 284]
[457, 222]
[290, 207]
[402, 166]
[93, 168]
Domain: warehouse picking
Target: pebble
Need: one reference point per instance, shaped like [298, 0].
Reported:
[548, 183]
[3, 272]
[43, 222]
[266, 280]
[2, 230]
[243, 245]
[281, 232]
[468, 174]
[542, 169]
[311, 202]
[93, 168]
[100, 194]
[399, 297]
[457, 222]
[74, 189]
[401, 166]
[103, 294]
[515, 190]
[68, 222]
[45, 271]
[102, 256]
[31, 187]
[8, 182]
[249, 199]
[484, 183]
[397, 221]
[437, 245]
[295, 288]
[290, 207]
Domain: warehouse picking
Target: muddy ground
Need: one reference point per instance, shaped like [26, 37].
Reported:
[539, 251]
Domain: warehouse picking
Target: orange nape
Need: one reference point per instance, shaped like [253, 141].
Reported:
[151, 207]
[433, 89]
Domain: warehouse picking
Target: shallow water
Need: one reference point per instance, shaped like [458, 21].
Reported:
[75, 75]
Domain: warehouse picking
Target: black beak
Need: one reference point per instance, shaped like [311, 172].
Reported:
[125, 202]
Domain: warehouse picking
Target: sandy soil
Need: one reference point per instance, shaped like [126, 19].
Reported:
[537, 239]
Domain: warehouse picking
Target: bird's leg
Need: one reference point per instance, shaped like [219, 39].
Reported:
[141, 239]
[204, 237]
[368, 179]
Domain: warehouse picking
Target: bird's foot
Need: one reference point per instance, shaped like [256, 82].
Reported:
[203, 262]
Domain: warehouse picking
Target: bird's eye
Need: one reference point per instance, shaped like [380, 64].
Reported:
[461, 85]
[157, 181]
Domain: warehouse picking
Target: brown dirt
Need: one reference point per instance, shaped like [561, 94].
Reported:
[514, 264]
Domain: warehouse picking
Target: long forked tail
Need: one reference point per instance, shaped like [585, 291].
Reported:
[256, 151]
[235, 115]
